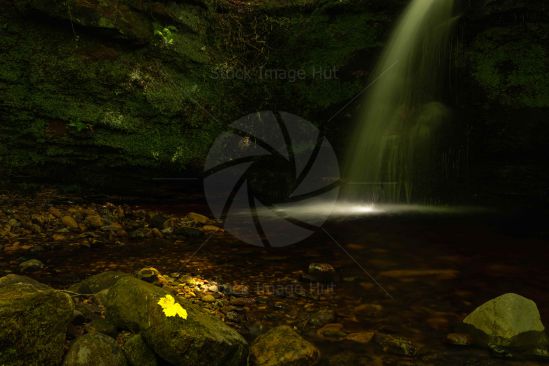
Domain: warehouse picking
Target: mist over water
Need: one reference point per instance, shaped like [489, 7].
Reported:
[395, 154]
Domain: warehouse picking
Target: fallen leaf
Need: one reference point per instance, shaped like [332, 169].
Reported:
[171, 308]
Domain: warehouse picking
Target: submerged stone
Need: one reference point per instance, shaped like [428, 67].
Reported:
[282, 346]
[31, 265]
[396, 345]
[95, 349]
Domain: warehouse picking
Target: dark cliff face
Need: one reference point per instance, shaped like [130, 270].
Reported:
[503, 97]
[105, 91]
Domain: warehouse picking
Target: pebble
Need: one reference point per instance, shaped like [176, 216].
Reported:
[368, 310]
[208, 298]
[242, 301]
[212, 229]
[157, 221]
[360, 337]
[395, 345]
[94, 221]
[69, 221]
[197, 218]
[331, 332]
[31, 265]
[459, 339]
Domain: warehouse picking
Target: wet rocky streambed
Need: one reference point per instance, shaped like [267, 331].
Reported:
[372, 290]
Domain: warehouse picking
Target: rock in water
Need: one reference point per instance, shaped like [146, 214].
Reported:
[95, 349]
[33, 322]
[31, 265]
[199, 340]
[509, 320]
[282, 346]
[322, 272]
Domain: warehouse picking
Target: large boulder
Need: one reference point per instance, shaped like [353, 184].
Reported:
[33, 322]
[197, 340]
[98, 282]
[282, 346]
[138, 353]
[509, 321]
[95, 349]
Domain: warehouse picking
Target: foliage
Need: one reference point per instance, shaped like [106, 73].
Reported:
[514, 71]
[172, 308]
[166, 35]
[78, 125]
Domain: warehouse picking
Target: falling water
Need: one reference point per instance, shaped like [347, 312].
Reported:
[395, 149]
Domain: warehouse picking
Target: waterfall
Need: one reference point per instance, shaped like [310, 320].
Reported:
[393, 157]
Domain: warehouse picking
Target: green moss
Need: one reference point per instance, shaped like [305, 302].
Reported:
[513, 70]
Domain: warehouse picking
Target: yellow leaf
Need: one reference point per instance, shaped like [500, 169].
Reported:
[171, 308]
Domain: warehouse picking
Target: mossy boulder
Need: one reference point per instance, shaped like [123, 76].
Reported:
[198, 340]
[138, 353]
[98, 282]
[33, 322]
[282, 346]
[95, 349]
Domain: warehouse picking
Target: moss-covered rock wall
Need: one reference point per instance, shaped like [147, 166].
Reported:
[93, 90]
[108, 91]
[503, 97]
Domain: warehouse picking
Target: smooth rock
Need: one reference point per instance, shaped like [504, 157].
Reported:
[198, 340]
[208, 298]
[509, 320]
[95, 349]
[33, 322]
[360, 337]
[282, 346]
[149, 274]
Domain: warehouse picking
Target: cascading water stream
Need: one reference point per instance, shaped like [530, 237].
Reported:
[394, 155]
